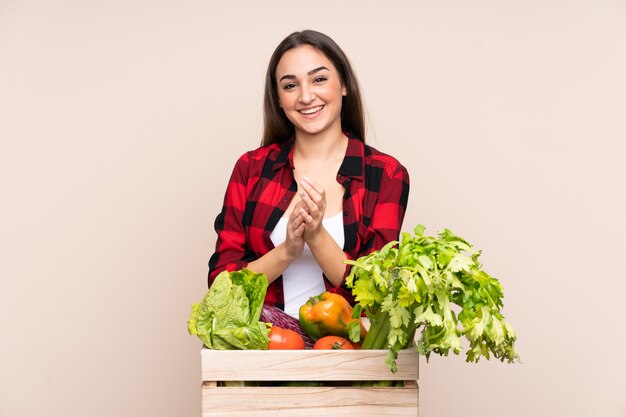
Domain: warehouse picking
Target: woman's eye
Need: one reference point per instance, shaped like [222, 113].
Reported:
[289, 86]
[319, 79]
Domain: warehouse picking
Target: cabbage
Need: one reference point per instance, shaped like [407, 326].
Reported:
[228, 315]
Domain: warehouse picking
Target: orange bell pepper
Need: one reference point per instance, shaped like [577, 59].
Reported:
[327, 314]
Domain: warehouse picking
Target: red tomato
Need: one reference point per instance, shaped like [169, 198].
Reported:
[333, 342]
[281, 339]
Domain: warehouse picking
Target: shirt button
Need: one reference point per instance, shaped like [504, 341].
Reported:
[348, 179]
[338, 176]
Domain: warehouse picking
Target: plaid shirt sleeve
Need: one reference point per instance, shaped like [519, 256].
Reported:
[379, 192]
[230, 253]
[390, 208]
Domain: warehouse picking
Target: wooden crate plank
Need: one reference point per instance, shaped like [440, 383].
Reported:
[305, 365]
[309, 401]
[410, 384]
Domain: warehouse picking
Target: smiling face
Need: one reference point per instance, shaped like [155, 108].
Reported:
[310, 90]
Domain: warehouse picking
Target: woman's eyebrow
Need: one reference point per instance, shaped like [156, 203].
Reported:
[317, 70]
[293, 77]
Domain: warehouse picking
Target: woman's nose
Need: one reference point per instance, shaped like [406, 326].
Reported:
[306, 94]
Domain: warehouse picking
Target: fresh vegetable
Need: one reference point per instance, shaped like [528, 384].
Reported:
[332, 342]
[228, 315]
[278, 317]
[417, 282]
[329, 314]
[284, 339]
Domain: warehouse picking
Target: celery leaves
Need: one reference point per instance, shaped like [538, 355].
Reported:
[415, 284]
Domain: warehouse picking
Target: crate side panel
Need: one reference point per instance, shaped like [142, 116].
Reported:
[305, 365]
[309, 401]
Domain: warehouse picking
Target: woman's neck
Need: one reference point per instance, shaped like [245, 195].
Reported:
[326, 147]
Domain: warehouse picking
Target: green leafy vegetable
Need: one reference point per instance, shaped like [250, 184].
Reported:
[228, 315]
[416, 283]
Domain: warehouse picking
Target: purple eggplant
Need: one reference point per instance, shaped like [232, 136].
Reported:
[279, 318]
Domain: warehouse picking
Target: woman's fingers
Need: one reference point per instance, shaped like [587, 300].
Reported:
[300, 205]
[296, 221]
[306, 217]
[314, 190]
[294, 241]
[299, 231]
[313, 184]
[312, 206]
[314, 196]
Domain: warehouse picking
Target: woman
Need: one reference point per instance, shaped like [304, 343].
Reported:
[313, 195]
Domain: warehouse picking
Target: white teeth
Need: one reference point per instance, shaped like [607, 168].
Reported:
[311, 111]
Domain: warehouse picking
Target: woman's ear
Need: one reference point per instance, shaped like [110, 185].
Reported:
[344, 92]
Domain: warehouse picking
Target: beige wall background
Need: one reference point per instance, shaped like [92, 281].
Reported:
[120, 122]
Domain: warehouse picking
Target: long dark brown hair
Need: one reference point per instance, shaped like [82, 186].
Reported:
[277, 127]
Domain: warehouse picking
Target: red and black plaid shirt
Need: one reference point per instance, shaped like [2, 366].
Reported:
[262, 186]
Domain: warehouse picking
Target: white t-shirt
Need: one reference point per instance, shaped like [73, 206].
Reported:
[303, 278]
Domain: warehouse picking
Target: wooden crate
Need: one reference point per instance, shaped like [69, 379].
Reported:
[337, 368]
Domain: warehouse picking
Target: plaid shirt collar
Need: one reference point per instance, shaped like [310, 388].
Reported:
[351, 167]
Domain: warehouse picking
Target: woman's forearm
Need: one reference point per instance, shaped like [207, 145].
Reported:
[273, 263]
[329, 256]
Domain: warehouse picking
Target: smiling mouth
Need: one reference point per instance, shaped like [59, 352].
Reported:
[312, 110]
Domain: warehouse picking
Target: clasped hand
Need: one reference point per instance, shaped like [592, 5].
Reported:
[305, 221]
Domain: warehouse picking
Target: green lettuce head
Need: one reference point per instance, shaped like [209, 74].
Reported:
[228, 315]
